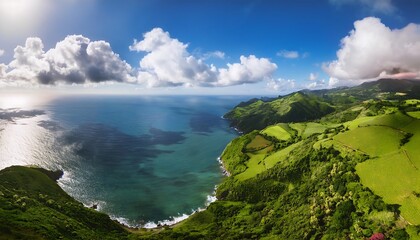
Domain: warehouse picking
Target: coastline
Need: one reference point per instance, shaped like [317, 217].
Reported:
[173, 220]
[223, 168]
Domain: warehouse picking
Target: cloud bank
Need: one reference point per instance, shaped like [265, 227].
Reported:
[78, 60]
[168, 63]
[374, 50]
[282, 84]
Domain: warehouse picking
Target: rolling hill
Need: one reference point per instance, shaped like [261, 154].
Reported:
[306, 105]
[295, 107]
[33, 206]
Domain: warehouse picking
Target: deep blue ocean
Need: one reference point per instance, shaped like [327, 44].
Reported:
[142, 160]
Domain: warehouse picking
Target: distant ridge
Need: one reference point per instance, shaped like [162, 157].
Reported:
[295, 107]
[393, 85]
[307, 105]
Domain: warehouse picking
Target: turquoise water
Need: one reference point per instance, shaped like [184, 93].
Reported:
[140, 159]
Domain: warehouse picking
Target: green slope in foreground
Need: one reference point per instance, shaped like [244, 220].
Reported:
[33, 206]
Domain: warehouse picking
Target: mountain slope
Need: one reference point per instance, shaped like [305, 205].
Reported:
[306, 105]
[296, 107]
[33, 206]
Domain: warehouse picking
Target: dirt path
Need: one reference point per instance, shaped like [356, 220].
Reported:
[349, 147]
[409, 159]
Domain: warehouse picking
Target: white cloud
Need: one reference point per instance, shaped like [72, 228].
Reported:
[316, 84]
[313, 76]
[372, 50]
[335, 82]
[1, 52]
[282, 85]
[3, 68]
[168, 63]
[215, 54]
[374, 6]
[76, 59]
[288, 54]
[250, 70]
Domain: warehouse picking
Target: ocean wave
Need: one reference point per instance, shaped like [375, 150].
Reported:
[222, 167]
[168, 222]
[238, 131]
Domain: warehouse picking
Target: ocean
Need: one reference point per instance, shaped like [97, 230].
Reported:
[143, 160]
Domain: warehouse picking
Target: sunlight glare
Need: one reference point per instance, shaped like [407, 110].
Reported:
[21, 101]
[21, 15]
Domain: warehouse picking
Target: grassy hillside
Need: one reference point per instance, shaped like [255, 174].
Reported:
[33, 206]
[391, 141]
[334, 105]
[296, 107]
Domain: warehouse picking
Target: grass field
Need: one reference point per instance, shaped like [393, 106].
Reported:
[255, 165]
[373, 140]
[312, 128]
[261, 161]
[397, 120]
[278, 156]
[414, 114]
[395, 173]
[279, 131]
[395, 178]
[259, 142]
[412, 101]
[358, 122]
[307, 129]
[299, 127]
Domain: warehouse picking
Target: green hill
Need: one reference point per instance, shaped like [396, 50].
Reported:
[306, 105]
[33, 206]
[296, 107]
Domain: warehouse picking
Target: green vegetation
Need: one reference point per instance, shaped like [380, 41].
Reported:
[279, 131]
[296, 107]
[372, 140]
[33, 206]
[414, 114]
[258, 143]
[312, 194]
[331, 106]
[394, 175]
[351, 173]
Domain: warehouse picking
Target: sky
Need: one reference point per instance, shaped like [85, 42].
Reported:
[259, 47]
